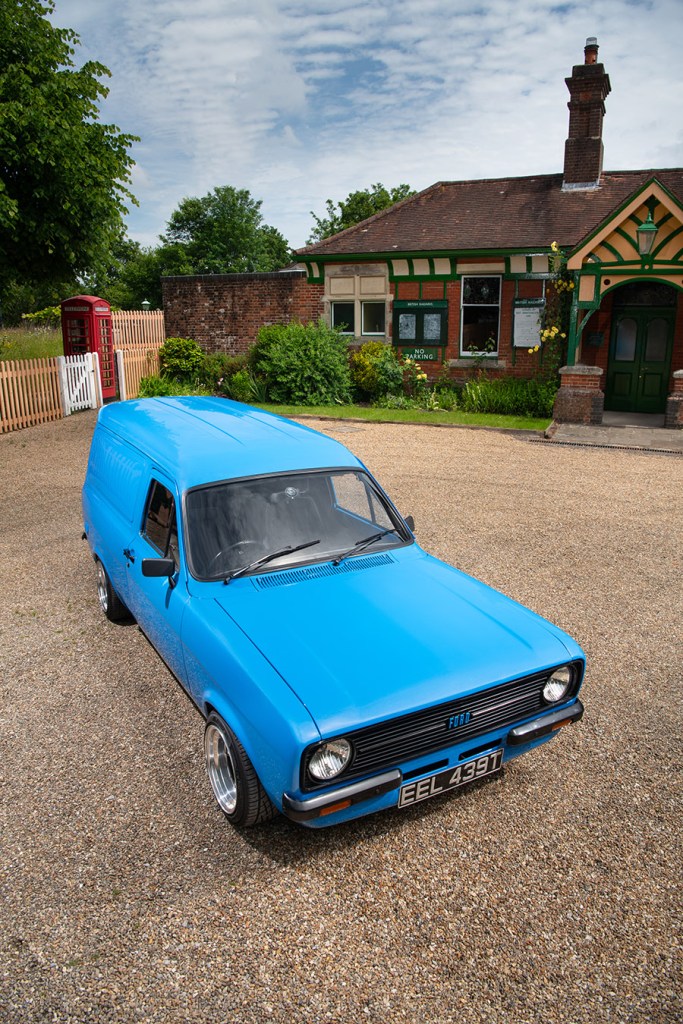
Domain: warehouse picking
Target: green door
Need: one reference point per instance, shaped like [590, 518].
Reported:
[639, 360]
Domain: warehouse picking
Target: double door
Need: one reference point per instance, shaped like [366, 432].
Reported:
[639, 360]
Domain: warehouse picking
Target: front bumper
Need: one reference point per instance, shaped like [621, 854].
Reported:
[546, 724]
[328, 803]
[322, 804]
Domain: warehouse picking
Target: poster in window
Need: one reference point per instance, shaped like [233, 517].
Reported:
[406, 326]
[432, 327]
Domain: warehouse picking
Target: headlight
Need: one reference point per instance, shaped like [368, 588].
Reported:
[330, 759]
[559, 685]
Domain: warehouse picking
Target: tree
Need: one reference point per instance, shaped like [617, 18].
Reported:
[356, 207]
[223, 233]
[133, 273]
[63, 175]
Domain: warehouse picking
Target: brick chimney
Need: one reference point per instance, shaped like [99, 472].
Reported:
[583, 150]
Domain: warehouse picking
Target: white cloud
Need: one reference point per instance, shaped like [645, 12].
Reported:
[303, 100]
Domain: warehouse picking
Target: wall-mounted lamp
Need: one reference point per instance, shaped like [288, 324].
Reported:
[647, 231]
[146, 303]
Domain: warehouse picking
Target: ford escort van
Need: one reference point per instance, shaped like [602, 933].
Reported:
[340, 669]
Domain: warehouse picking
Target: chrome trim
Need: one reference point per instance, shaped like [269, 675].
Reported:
[542, 726]
[313, 807]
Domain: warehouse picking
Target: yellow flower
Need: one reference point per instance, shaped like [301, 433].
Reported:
[530, 351]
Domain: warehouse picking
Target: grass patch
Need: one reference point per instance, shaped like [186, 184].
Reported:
[20, 343]
[375, 415]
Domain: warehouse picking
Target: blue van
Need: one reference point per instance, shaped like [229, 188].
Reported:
[340, 668]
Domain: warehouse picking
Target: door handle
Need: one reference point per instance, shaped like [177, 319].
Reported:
[129, 554]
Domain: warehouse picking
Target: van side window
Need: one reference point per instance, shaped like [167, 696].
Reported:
[160, 527]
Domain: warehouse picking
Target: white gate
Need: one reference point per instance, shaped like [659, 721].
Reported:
[79, 382]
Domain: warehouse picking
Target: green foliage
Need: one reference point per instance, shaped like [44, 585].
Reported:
[446, 398]
[509, 396]
[160, 387]
[218, 369]
[223, 233]
[133, 273]
[376, 370]
[180, 359]
[51, 316]
[63, 175]
[397, 402]
[241, 386]
[19, 297]
[302, 363]
[356, 207]
[415, 381]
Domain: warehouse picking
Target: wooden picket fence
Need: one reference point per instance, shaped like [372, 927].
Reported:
[34, 391]
[132, 365]
[29, 393]
[138, 330]
[138, 336]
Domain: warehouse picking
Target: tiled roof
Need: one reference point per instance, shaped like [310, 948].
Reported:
[494, 213]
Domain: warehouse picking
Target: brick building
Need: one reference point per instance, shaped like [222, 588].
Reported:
[465, 270]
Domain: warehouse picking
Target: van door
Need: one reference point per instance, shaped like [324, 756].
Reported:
[158, 603]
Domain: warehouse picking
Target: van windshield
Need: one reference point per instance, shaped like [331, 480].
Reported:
[324, 514]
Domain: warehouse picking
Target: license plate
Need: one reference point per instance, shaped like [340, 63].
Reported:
[451, 778]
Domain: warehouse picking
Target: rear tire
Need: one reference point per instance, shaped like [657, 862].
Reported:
[110, 603]
[235, 784]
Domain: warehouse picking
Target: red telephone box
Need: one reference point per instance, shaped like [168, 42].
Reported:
[87, 327]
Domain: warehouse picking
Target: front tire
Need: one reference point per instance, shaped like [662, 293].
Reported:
[110, 603]
[235, 784]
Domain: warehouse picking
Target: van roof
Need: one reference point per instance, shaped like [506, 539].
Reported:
[200, 440]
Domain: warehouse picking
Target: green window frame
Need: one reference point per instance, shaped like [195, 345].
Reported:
[420, 323]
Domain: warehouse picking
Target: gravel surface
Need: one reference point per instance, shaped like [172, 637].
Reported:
[549, 894]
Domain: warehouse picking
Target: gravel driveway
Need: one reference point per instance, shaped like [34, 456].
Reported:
[549, 894]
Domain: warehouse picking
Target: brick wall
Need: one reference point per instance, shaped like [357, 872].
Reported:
[223, 312]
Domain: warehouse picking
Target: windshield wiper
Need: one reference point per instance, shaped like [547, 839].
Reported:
[360, 545]
[269, 558]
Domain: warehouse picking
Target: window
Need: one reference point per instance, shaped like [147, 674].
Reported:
[357, 299]
[277, 522]
[160, 527]
[344, 317]
[421, 322]
[373, 317]
[480, 316]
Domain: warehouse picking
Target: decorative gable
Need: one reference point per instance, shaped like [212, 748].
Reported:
[615, 241]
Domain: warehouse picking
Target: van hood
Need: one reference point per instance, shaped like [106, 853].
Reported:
[389, 634]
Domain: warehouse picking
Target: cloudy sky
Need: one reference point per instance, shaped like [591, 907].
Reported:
[299, 101]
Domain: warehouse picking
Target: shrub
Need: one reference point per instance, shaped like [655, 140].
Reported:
[447, 398]
[509, 396]
[180, 359]
[160, 387]
[376, 371]
[241, 386]
[51, 316]
[217, 371]
[302, 364]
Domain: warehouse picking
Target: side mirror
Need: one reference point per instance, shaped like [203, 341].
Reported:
[410, 523]
[158, 567]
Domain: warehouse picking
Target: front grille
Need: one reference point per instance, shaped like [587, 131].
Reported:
[388, 744]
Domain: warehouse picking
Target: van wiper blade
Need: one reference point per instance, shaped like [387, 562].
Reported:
[360, 545]
[269, 558]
